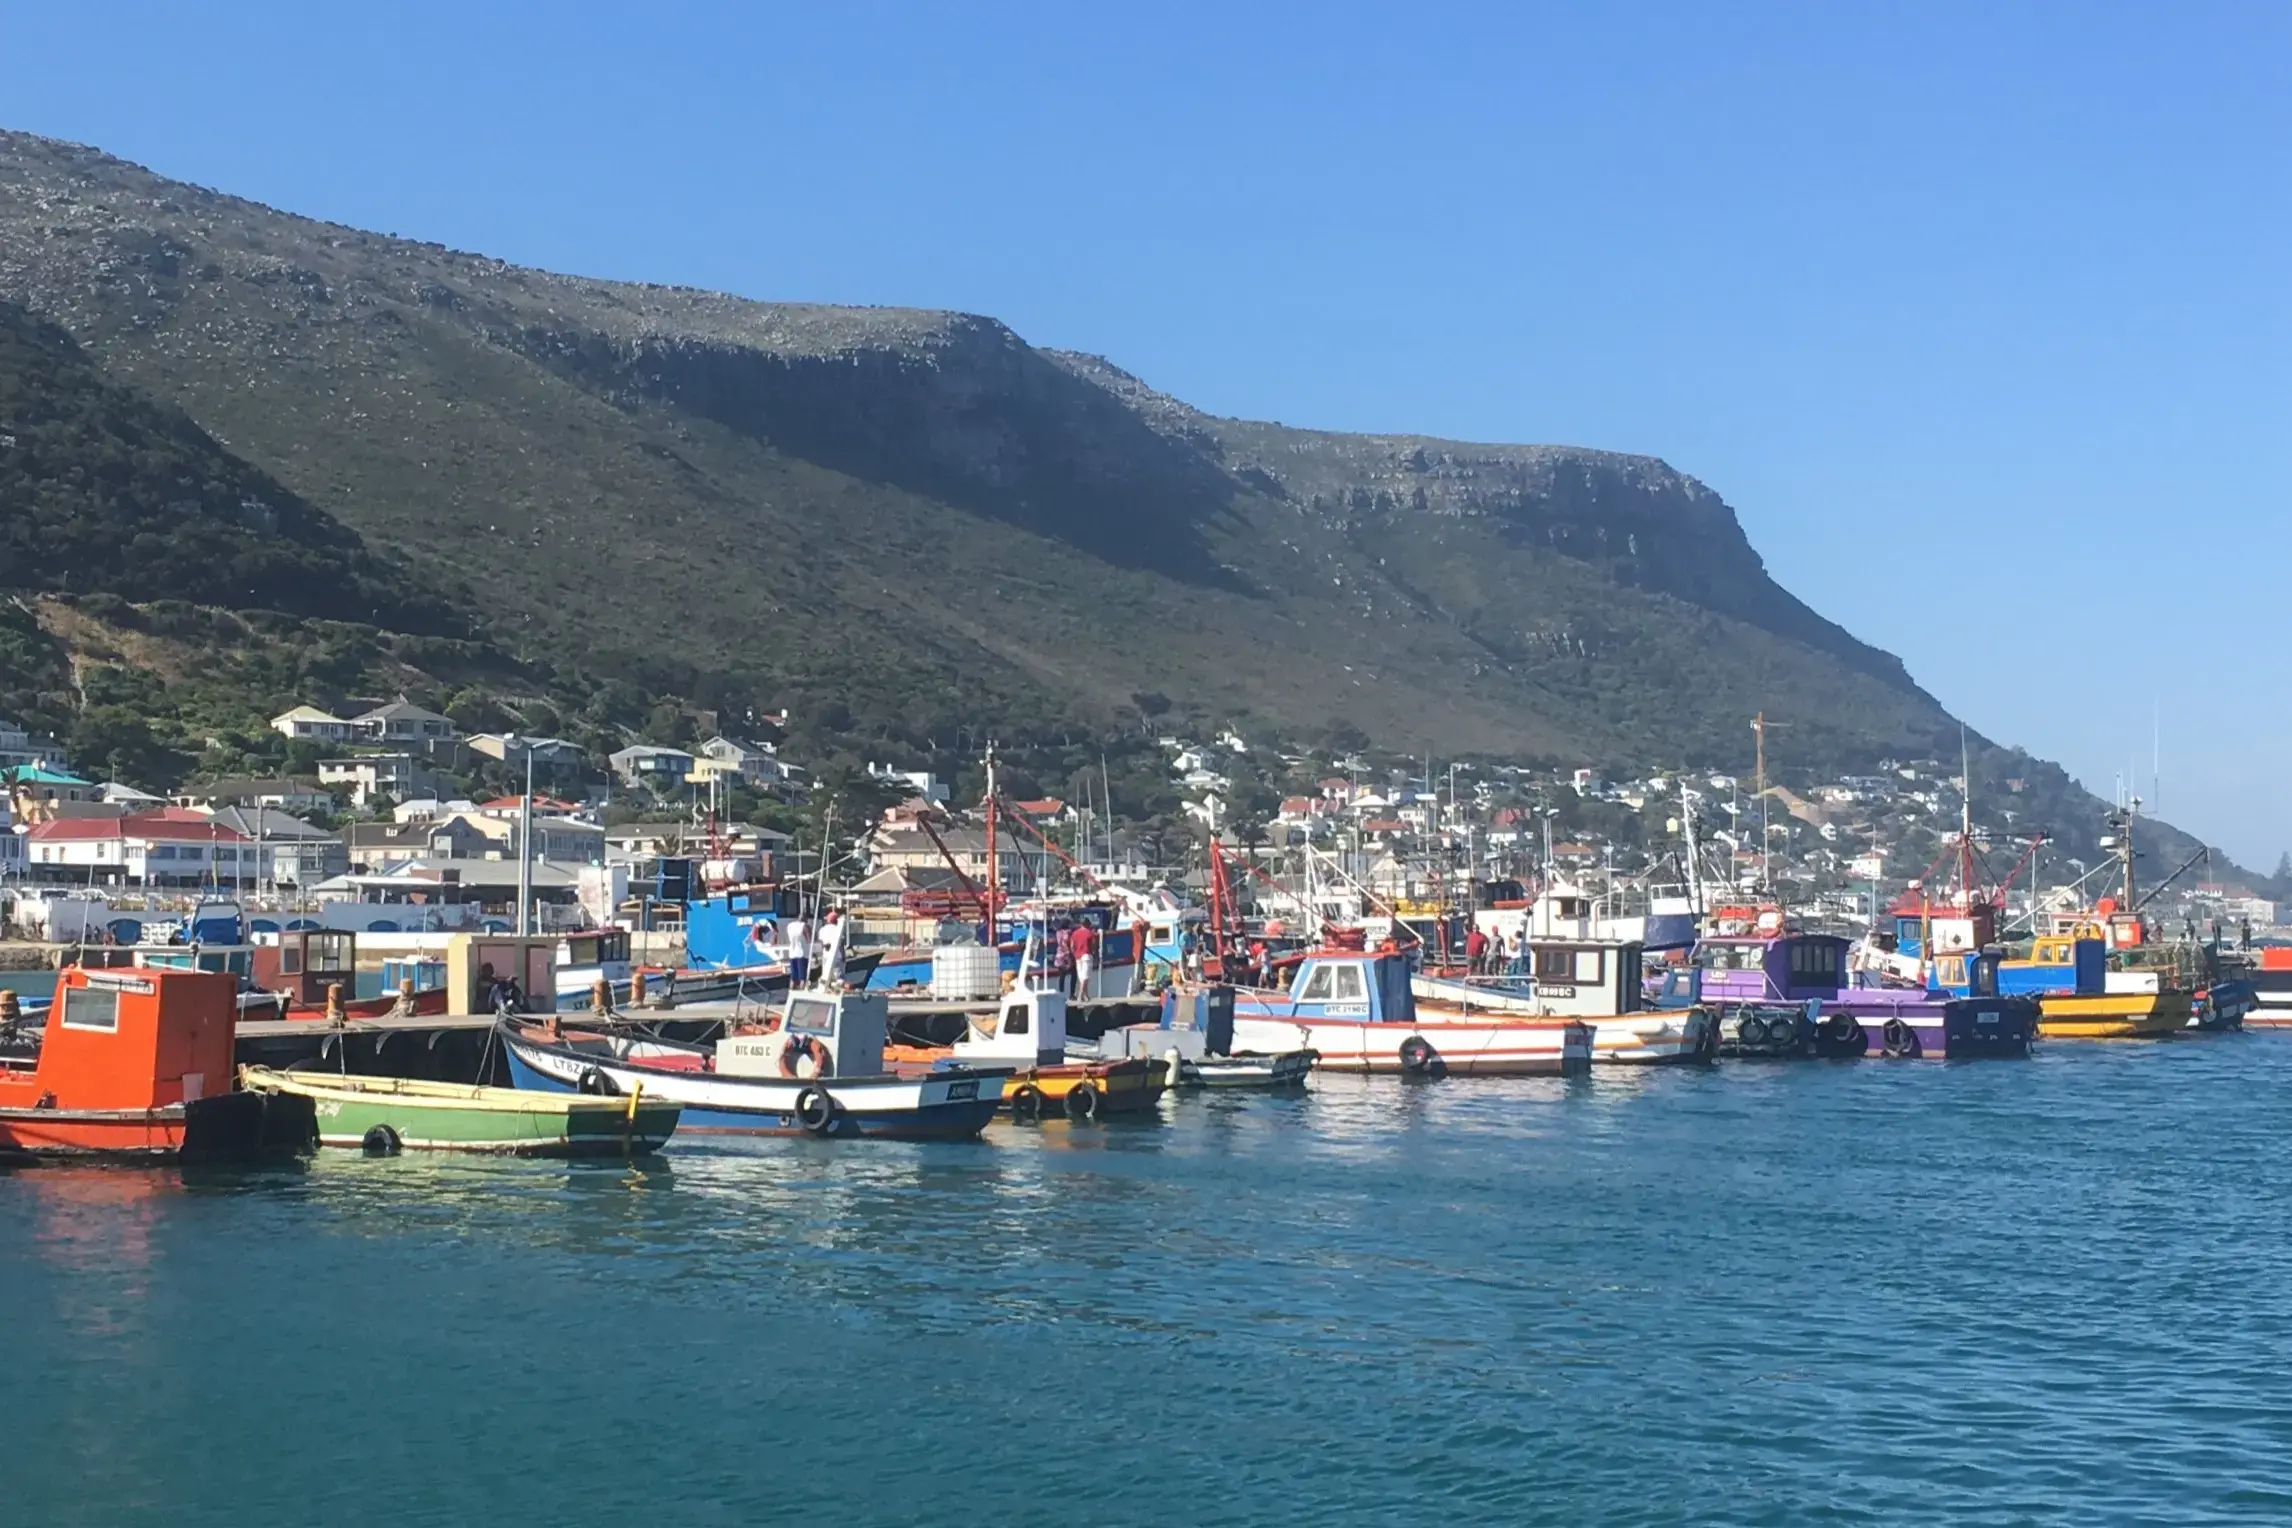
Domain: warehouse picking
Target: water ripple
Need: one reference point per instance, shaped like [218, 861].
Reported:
[1854, 1293]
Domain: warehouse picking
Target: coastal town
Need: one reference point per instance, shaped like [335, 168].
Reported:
[394, 828]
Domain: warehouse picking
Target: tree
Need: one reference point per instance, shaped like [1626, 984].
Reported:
[116, 743]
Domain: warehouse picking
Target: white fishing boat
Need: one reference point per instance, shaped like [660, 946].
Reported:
[819, 1071]
[1595, 981]
[1357, 1013]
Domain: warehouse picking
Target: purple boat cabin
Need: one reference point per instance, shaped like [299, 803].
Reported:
[1768, 978]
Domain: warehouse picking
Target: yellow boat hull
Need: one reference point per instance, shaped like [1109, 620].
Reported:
[2114, 1015]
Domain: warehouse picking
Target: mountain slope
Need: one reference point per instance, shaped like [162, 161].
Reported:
[921, 518]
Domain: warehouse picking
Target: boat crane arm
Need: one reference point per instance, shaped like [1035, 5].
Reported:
[970, 887]
[2202, 853]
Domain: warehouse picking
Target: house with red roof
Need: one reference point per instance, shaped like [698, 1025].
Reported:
[173, 846]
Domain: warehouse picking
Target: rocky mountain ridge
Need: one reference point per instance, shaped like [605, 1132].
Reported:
[769, 500]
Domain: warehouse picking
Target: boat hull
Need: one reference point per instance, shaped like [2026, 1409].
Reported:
[2114, 1015]
[2224, 1005]
[1919, 1026]
[1471, 1048]
[1124, 1087]
[1650, 1037]
[429, 1116]
[230, 1127]
[1247, 1072]
[935, 1106]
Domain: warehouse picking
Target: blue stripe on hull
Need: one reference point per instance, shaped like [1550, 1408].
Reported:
[949, 1121]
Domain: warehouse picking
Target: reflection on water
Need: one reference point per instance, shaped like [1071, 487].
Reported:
[1772, 1294]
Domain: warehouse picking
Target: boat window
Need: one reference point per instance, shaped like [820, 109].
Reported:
[1588, 965]
[1950, 970]
[814, 1015]
[290, 960]
[1554, 965]
[90, 1008]
[1815, 961]
[1350, 987]
[1731, 957]
[1318, 986]
[1015, 1019]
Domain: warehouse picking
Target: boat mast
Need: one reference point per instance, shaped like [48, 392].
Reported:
[994, 874]
[1759, 730]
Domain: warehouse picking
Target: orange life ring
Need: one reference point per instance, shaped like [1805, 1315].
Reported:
[801, 1046]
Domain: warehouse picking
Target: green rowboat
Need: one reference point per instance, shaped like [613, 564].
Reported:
[385, 1114]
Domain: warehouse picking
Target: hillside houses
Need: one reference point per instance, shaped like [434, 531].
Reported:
[398, 723]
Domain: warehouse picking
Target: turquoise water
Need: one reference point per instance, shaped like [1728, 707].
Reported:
[2044, 1292]
[29, 983]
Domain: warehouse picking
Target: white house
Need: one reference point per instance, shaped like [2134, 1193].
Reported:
[19, 747]
[551, 755]
[367, 776]
[401, 722]
[164, 848]
[923, 783]
[308, 724]
[651, 765]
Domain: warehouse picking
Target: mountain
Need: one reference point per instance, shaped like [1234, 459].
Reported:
[920, 517]
[906, 526]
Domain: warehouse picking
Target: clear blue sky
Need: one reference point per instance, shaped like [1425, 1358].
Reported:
[1978, 314]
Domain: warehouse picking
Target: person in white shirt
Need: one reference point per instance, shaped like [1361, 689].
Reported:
[831, 962]
[797, 937]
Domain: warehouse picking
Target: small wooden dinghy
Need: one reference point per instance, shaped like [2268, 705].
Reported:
[386, 1114]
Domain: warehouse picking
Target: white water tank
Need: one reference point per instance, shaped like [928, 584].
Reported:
[963, 973]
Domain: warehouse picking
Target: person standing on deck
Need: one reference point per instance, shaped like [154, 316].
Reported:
[1084, 944]
[1476, 952]
[831, 961]
[1138, 954]
[798, 935]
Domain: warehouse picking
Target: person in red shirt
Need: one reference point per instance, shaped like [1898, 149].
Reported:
[1476, 951]
[1085, 951]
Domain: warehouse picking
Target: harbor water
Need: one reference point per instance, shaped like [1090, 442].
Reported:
[2048, 1291]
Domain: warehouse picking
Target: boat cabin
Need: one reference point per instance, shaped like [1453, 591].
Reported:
[821, 1034]
[2055, 964]
[1339, 984]
[734, 929]
[1971, 973]
[1025, 1028]
[305, 962]
[1790, 969]
[128, 1039]
[1956, 928]
[1593, 978]
[1197, 1020]
[592, 953]
[474, 962]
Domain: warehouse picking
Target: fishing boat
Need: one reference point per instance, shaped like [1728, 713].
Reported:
[2079, 996]
[819, 1069]
[136, 1065]
[1357, 1011]
[1193, 1040]
[2269, 970]
[1594, 980]
[315, 971]
[1024, 1034]
[384, 1115]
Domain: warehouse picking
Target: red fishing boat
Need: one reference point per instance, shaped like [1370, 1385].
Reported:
[137, 1065]
[307, 968]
